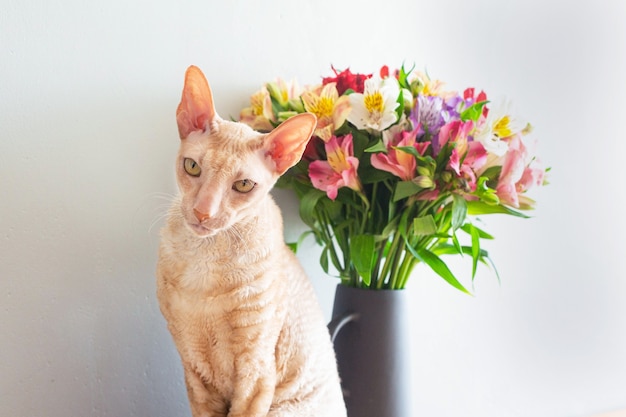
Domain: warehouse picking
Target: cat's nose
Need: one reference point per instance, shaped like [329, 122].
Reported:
[200, 215]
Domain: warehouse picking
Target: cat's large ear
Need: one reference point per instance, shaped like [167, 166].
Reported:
[196, 109]
[286, 143]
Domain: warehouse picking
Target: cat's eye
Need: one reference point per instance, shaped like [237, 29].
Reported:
[244, 186]
[191, 167]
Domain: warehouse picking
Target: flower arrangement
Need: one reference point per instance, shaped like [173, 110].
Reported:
[398, 169]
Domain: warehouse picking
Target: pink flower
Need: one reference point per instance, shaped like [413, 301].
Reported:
[518, 175]
[474, 159]
[398, 162]
[339, 170]
[456, 132]
[476, 156]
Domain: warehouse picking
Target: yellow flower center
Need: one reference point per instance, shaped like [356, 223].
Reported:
[337, 160]
[374, 102]
[502, 128]
[322, 107]
[256, 102]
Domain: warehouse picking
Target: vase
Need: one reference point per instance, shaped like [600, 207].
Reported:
[370, 333]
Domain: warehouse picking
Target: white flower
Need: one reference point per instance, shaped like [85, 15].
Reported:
[498, 125]
[375, 109]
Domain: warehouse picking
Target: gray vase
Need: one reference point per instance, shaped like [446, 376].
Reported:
[370, 331]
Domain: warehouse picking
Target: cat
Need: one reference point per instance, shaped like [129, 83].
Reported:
[242, 313]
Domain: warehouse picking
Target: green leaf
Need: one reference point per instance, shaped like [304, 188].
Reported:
[362, 252]
[405, 189]
[459, 211]
[481, 233]
[492, 173]
[389, 229]
[424, 225]
[437, 265]
[360, 141]
[475, 249]
[403, 76]
[371, 175]
[324, 260]
[307, 206]
[479, 207]
[456, 243]
[408, 149]
[403, 225]
[473, 112]
[293, 246]
[447, 249]
[400, 108]
[377, 147]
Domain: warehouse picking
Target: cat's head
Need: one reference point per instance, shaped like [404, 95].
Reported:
[225, 169]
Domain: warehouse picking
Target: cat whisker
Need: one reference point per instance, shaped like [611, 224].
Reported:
[157, 220]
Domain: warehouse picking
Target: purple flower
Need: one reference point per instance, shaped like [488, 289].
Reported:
[431, 113]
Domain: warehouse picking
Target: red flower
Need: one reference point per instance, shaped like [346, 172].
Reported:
[347, 81]
[470, 93]
[384, 71]
[313, 150]
[470, 96]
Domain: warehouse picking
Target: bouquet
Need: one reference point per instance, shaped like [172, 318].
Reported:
[398, 169]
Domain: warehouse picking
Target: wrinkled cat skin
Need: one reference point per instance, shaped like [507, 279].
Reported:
[242, 313]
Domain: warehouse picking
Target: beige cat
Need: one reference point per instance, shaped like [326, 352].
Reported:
[243, 315]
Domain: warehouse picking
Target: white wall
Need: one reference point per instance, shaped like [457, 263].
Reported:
[88, 92]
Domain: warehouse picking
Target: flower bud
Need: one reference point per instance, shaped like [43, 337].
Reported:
[296, 105]
[284, 115]
[277, 94]
[424, 171]
[416, 87]
[446, 176]
[407, 97]
[490, 198]
[424, 181]
[527, 129]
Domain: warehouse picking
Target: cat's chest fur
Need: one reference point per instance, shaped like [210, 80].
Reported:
[217, 292]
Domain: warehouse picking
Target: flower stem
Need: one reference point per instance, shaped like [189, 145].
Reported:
[391, 262]
[325, 229]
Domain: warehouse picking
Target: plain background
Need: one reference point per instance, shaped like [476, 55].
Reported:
[88, 92]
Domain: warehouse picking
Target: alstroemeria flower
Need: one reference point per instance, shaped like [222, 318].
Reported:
[339, 170]
[474, 158]
[429, 87]
[375, 109]
[283, 92]
[433, 112]
[519, 173]
[533, 175]
[456, 132]
[393, 135]
[259, 114]
[346, 80]
[331, 109]
[398, 162]
[498, 125]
